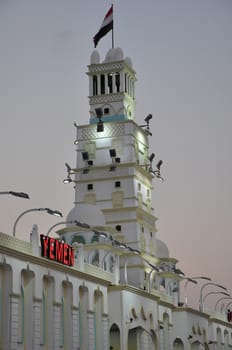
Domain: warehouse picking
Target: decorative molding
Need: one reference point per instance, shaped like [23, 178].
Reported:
[105, 68]
[115, 97]
[112, 130]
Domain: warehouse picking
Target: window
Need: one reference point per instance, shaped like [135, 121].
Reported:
[148, 193]
[139, 186]
[118, 228]
[117, 184]
[117, 81]
[89, 187]
[106, 111]
[110, 83]
[94, 85]
[102, 84]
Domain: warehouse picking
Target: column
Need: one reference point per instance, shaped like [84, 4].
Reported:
[91, 332]
[105, 331]
[75, 325]
[14, 332]
[36, 324]
[58, 332]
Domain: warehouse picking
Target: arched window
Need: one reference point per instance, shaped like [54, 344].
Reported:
[95, 89]
[117, 81]
[110, 83]
[114, 337]
[125, 82]
[78, 239]
[102, 84]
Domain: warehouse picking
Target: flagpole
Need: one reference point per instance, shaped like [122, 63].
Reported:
[113, 32]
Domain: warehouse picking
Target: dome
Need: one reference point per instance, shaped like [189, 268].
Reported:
[162, 249]
[128, 61]
[88, 214]
[114, 55]
[95, 57]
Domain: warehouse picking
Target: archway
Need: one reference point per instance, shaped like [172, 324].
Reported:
[178, 344]
[140, 338]
[114, 337]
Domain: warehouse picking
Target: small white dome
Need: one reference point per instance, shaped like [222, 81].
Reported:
[162, 249]
[128, 61]
[114, 55]
[95, 57]
[88, 214]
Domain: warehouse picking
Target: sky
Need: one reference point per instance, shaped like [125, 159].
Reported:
[182, 53]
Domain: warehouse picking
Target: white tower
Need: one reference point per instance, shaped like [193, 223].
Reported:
[113, 166]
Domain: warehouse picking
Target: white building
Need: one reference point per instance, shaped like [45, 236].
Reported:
[107, 282]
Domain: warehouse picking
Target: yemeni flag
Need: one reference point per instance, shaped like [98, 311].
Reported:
[106, 26]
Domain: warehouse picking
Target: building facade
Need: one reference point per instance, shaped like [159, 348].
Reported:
[105, 281]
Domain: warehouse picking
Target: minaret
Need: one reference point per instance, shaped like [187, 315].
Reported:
[111, 87]
[112, 168]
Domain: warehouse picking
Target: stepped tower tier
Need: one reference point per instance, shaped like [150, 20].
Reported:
[111, 87]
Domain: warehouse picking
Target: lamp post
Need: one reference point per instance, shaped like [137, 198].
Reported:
[49, 211]
[77, 223]
[201, 304]
[223, 298]
[210, 293]
[16, 194]
[186, 284]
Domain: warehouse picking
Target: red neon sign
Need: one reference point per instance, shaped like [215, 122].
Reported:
[53, 249]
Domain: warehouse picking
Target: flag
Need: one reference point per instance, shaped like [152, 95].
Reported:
[106, 26]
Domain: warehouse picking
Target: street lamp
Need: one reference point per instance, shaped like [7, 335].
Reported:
[223, 298]
[201, 292]
[16, 194]
[210, 293]
[77, 223]
[49, 211]
[186, 284]
[60, 223]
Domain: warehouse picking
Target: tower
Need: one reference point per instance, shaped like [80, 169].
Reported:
[113, 170]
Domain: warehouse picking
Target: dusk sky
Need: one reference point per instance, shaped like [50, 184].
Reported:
[182, 53]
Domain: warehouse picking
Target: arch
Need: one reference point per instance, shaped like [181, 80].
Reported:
[114, 337]
[93, 257]
[78, 239]
[95, 85]
[196, 345]
[95, 238]
[178, 344]
[108, 262]
[140, 338]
